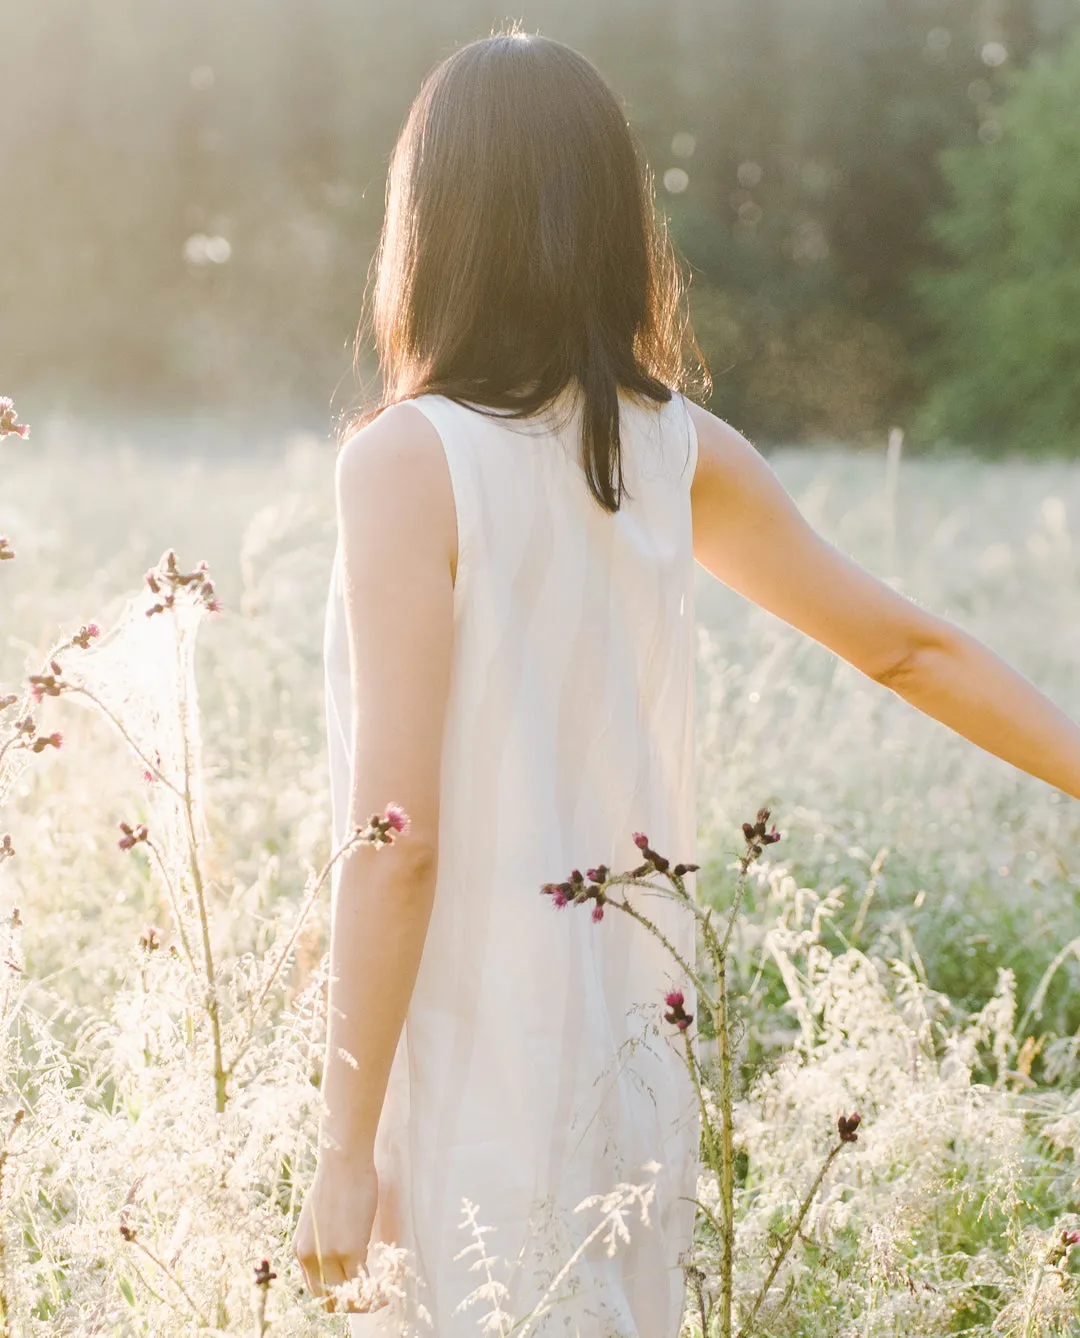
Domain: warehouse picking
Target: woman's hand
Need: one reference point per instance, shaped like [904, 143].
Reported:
[332, 1236]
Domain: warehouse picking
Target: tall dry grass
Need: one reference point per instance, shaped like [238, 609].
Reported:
[907, 952]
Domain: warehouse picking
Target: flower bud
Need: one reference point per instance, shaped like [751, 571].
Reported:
[846, 1126]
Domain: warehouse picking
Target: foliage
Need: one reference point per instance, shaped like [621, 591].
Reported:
[199, 189]
[1008, 352]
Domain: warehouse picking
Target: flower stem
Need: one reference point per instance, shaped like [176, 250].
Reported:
[174, 900]
[174, 1279]
[789, 1240]
[354, 838]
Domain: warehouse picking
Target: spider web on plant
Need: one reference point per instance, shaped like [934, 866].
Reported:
[142, 673]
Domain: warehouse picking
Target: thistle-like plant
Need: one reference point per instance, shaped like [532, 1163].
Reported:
[717, 1313]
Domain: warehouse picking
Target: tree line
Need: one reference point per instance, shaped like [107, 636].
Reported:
[875, 198]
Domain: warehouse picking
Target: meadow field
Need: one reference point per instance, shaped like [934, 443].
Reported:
[909, 950]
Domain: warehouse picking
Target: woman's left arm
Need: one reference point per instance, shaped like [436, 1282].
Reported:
[395, 515]
[397, 526]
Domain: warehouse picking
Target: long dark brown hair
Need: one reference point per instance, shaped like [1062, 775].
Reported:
[522, 251]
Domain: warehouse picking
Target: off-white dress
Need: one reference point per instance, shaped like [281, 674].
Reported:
[535, 1068]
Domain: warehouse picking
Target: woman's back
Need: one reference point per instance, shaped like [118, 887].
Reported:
[534, 1069]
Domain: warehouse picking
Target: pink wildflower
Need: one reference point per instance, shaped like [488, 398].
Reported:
[557, 892]
[9, 427]
[396, 816]
[85, 635]
[597, 912]
[677, 1014]
[44, 741]
[641, 840]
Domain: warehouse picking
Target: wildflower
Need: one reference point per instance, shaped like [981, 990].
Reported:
[657, 862]
[43, 741]
[682, 869]
[263, 1275]
[597, 913]
[132, 836]
[381, 825]
[396, 816]
[597, 875]
[846, 1126]
[1070, 1238]
[677, 1014]
[127, 1232]
[9, 427]
[7, 849]
[166, 580]
[558, 892]
[6, 551]
[150, 938]
[756, 835]
[46, 685]
[85, 635]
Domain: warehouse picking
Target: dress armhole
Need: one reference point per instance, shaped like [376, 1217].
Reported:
[690, 468]
[439, 414]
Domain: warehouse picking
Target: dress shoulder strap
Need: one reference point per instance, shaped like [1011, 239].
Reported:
[450, 421]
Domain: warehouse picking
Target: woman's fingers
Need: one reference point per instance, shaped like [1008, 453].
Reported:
[324, 1273]
[335, 1270]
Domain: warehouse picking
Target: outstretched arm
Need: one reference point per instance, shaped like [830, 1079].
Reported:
[749, 534]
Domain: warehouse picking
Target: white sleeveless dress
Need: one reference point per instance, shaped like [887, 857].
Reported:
[535, 1068]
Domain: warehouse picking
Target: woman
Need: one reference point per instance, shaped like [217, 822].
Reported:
[509, 656]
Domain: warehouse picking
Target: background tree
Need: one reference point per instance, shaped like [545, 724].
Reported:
[1007, 356]
[194, 191]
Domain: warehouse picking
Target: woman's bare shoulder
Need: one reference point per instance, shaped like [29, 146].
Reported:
[395, 465]
[721, 447]
[399, 436]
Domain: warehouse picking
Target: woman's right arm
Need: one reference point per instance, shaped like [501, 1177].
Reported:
[749, 533]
